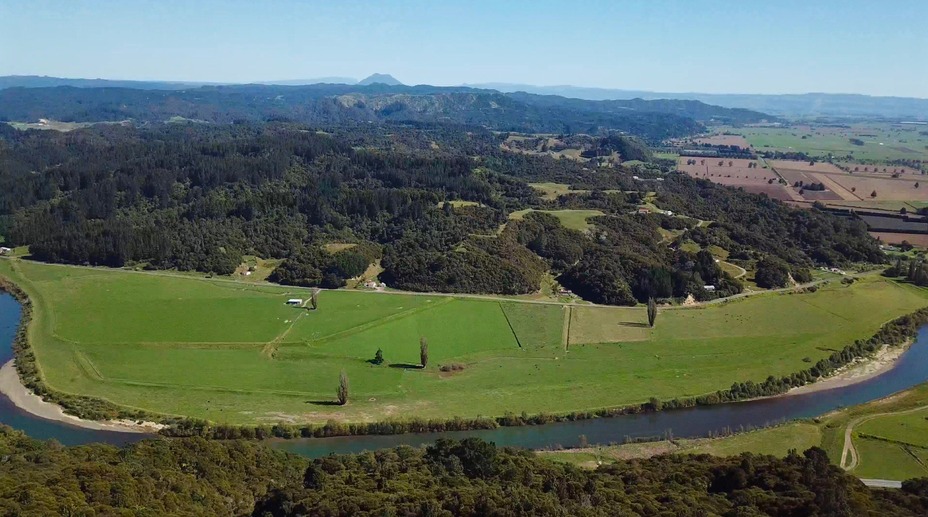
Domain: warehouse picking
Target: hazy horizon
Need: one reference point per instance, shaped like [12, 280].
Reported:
[789, 47]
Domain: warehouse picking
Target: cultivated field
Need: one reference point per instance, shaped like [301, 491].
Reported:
[234, 352]
[915, 239]
[843, 185]
[736, 140]
[736, 173]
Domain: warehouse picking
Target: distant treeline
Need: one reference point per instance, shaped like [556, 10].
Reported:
[469, 477]
[343, 105]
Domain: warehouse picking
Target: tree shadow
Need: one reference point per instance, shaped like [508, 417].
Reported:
[374, 362]
[323, 402]
[406, 366]
[634, 324]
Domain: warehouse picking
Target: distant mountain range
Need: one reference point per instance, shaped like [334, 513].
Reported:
[43, 81]
[339, 104]
[786, 105]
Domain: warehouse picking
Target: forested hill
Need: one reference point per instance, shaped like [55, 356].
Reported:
[329, 104]
[690, 108]
[433, 204]
[238, 478]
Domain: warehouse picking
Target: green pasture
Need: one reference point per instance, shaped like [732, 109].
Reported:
[233, 351]
[881, 460]
[552, 191]
[910, 428]
[573, 219]
[897, 142]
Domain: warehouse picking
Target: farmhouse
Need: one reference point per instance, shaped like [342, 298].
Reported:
[709, 288]
[295, 301]
[5, 251]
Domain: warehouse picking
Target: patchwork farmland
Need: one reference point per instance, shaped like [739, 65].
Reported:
[848, 185]
[751, 175]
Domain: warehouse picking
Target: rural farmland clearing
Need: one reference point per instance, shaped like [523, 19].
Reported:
[235, 352]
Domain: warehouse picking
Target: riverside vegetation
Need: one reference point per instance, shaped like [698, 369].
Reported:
[471, 477]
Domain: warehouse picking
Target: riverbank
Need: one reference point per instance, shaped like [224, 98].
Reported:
[860, 370]
[21, 397]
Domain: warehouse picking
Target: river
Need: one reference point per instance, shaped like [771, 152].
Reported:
[910, 369]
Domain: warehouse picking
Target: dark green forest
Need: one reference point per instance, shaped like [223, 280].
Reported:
[198, 477]
[200, 196]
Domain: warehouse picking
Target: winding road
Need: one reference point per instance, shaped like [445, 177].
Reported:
[850, 458]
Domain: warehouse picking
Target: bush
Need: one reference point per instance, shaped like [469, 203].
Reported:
[771, 273]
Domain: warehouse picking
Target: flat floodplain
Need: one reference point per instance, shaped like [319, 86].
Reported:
[878, 141]
[235, 352]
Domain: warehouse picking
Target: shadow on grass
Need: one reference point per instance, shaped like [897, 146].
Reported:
[323, 402]
[634, 324]
[406, 366]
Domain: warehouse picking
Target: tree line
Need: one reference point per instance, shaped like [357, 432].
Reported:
[469, 477]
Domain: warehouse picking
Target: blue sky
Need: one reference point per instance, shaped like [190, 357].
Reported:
[876, 47]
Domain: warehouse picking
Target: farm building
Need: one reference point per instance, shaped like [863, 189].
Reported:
[5, 251]
[709, 288]
[295, 301]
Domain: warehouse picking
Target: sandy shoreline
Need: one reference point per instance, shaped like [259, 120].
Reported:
[858, 371]
[12, 387]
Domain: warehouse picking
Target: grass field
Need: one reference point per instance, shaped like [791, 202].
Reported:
[574, 219]
[552, 191]
[892, 442]
[881, 142]
[776, 441]
[234, 352]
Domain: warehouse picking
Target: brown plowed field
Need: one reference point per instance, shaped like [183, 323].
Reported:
[755, 180]
[821, 195]
[805, 167]
[916, 239]
[887, 189]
